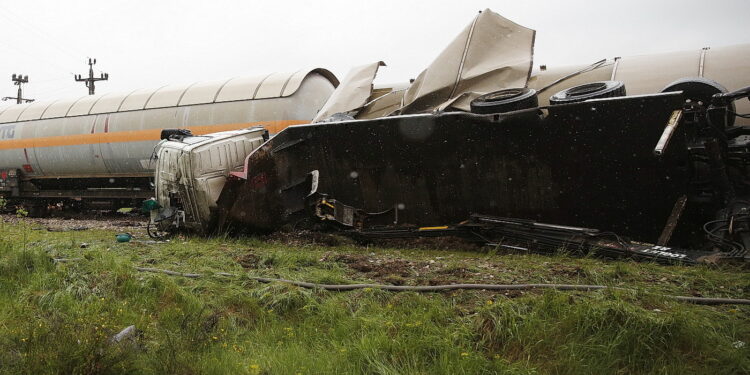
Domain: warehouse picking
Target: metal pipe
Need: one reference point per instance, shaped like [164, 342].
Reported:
[674, 120]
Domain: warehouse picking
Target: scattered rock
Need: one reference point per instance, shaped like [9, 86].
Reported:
[129, 333]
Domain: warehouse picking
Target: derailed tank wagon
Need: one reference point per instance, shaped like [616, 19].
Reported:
[98, 150]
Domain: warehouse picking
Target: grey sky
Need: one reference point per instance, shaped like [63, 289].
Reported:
[151, 43]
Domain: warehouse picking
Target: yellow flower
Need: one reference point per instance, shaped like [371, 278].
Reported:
[489, 302]
[464, 354]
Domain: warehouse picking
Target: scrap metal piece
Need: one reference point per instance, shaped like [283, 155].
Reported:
[333, 210]
[674, 120]
[674, 217]
[532, 236]
[352, 93]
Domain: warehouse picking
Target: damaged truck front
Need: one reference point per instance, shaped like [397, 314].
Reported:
[191, 172]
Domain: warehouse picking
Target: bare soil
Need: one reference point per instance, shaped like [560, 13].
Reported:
[134, 224]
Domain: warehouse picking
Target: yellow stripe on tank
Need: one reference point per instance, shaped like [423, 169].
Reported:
[136, 135]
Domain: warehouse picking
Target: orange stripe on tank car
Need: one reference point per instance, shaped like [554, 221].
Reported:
[135, 135]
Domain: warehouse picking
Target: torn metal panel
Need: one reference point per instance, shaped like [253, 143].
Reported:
[587, 164]
[351, 95]
[383, 101]
[492, 53]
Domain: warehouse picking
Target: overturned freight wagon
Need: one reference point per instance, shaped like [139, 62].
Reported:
[99, 149]
[667, 165]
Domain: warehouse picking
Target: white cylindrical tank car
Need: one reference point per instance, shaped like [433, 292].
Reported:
[647, 74]
[101, 146]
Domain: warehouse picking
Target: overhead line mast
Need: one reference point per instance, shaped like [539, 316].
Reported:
[90, 81]
[19, 80]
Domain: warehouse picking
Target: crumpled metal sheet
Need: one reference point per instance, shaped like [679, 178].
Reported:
[352, 93]
[490, 54]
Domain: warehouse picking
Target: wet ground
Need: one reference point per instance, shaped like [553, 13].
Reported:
[130, 223]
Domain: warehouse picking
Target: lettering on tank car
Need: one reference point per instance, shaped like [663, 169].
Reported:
[7, 132]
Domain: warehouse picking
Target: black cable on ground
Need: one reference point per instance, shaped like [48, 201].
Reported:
[440, 288]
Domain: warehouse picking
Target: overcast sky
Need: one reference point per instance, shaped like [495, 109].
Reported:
[152, 43]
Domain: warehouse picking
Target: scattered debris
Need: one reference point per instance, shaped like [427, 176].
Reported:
[78, 228]
[129, 336]
[66, 260]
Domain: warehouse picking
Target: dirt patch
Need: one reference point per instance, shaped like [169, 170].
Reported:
[566, 271]
[390, 270]
[460, 272]
[134, 224]
[248, 260]
[305, 237]
[434, 243]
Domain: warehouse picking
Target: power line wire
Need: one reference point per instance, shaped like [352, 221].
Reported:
[38, 58]
[61, 46]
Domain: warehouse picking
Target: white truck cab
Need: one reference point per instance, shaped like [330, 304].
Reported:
[191, 172]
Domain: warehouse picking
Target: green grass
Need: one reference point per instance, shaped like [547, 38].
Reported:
[57, 318]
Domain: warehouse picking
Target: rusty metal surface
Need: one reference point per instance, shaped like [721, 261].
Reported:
[586, 164]
[674, 217]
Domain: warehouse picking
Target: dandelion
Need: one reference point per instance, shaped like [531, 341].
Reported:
[464, 354]
[489, 302]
